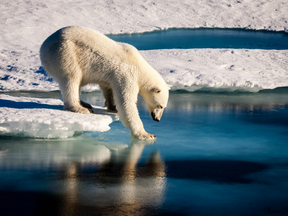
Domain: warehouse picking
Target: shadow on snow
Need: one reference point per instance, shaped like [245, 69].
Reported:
[27, 105]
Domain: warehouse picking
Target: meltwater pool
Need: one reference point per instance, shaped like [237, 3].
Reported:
[206, 38]
[215, 154]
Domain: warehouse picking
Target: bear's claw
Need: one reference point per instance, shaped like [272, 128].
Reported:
[86, 105]
[145, 136]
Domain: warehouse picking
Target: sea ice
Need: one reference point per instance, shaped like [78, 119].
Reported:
[45, 118]
[221, 69]
[191, 69]
[24, 26]
[28, 23]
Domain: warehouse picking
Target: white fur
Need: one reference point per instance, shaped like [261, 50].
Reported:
[77, 56]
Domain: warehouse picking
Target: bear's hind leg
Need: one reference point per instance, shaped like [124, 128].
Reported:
[86, 105]
[70, 93]
[109, 100]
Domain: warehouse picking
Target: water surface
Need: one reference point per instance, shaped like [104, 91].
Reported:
[205, 38]
[215, 154]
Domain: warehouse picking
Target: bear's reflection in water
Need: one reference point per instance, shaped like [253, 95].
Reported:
[118, 187]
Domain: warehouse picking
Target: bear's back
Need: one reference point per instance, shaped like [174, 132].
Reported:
[81, 36]
[90, 50]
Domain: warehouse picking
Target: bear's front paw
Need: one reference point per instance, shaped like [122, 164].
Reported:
[151, 136]
[145, 136]
[80, 109]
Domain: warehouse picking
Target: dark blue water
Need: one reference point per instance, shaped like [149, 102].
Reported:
[215, 154]
[205, 38]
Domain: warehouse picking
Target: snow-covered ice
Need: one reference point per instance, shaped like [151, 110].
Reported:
[30, 22]
[191, 69]
[45, 118]
[221, 69]
[26, 24]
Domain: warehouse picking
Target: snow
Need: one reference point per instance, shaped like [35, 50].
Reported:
[221, 69]
[45, 118]
[30, 22]
[191, 69]
[26, 24]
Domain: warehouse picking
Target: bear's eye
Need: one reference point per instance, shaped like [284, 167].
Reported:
[160, 107]
[155, 90]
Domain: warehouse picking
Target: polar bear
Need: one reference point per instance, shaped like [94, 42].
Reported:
[76, 56]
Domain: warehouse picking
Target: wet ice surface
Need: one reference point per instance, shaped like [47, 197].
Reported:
[215, 154]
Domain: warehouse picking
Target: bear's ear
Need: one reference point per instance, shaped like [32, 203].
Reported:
[155, 90]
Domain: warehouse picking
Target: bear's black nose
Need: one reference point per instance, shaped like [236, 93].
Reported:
[154, 117]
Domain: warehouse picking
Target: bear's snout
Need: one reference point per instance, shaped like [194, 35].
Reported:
[154, 117]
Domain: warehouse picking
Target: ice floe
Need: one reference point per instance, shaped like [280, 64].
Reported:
[45, 118]
[221, 69]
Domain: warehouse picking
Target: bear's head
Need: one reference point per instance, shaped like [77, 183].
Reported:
[156, 99]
